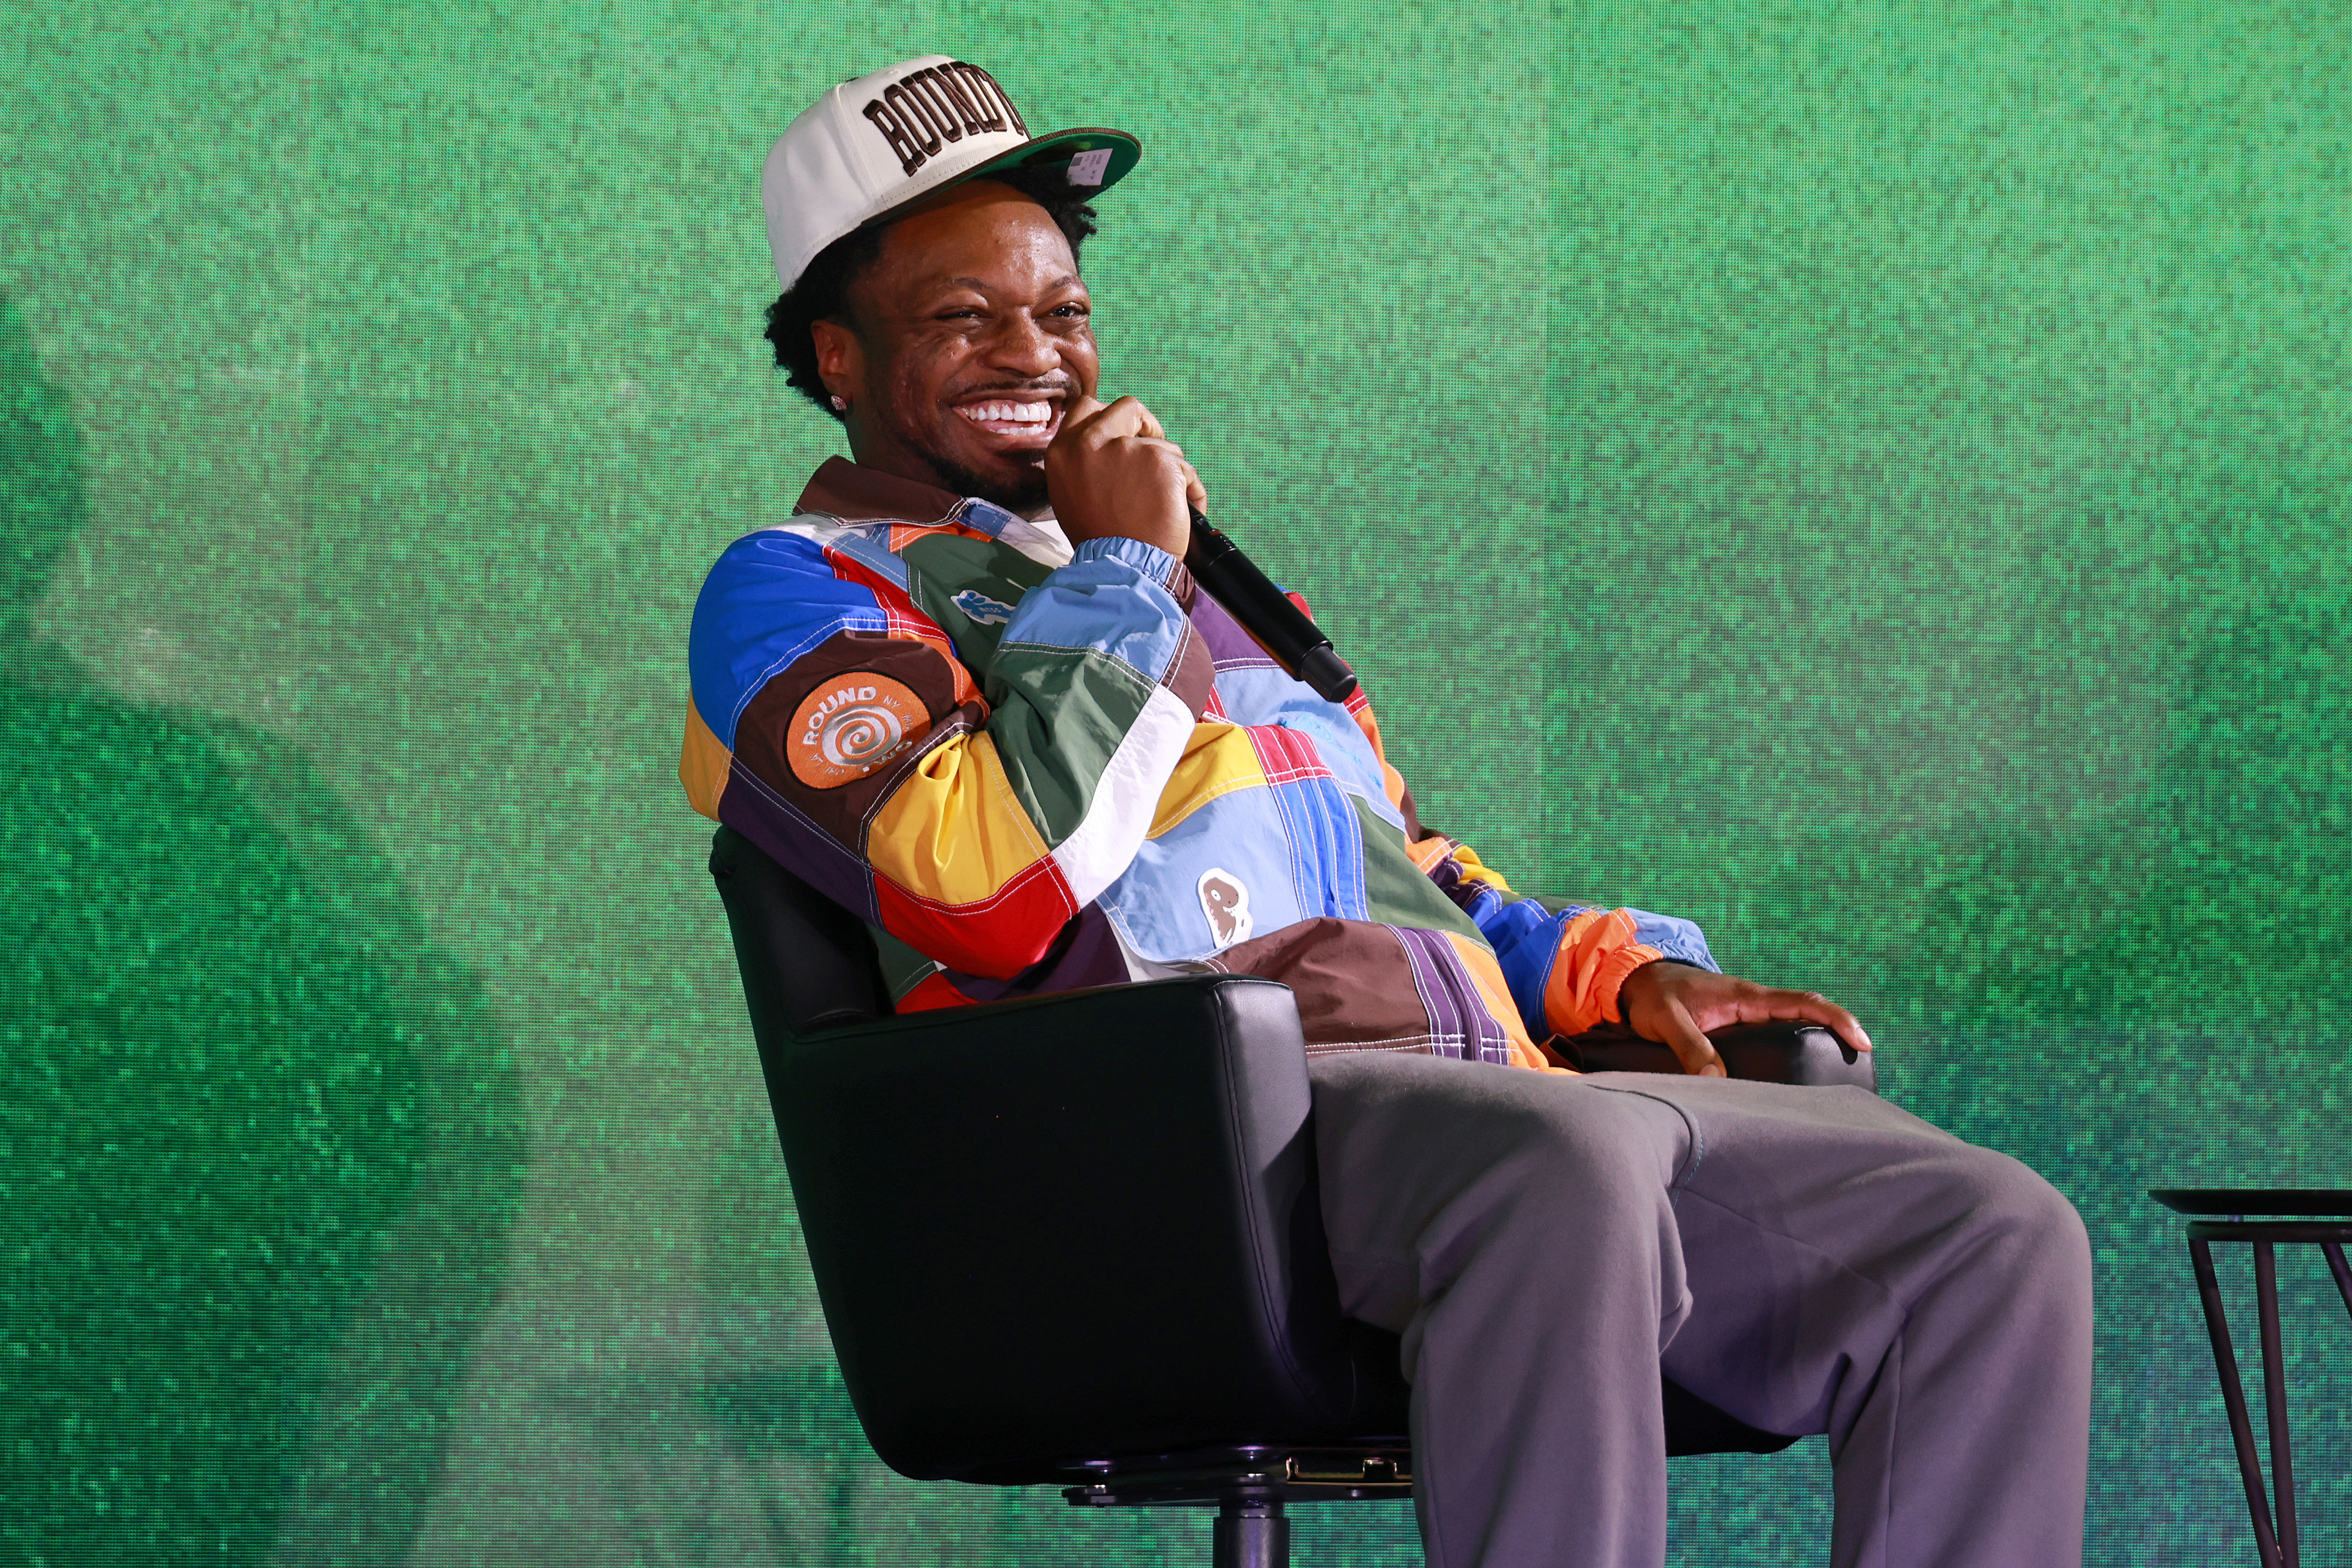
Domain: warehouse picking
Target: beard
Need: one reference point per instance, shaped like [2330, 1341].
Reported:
[1023, 495]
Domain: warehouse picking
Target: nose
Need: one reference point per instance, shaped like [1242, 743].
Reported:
[1022, 347]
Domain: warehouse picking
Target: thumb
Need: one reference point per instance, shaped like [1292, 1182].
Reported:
[1081, 407]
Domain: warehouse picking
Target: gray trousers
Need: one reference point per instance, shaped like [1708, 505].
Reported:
[1807, 1259]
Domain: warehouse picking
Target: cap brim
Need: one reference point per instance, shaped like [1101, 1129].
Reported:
[1038, 151]
[1061, 146]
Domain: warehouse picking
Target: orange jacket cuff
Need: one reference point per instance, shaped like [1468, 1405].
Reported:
[1597, 951]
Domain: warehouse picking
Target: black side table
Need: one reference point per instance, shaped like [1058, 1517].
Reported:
[2322, 1216]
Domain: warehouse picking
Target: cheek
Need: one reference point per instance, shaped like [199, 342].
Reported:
[915, 379]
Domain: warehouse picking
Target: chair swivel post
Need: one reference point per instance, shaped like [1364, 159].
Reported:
[1250, 1533]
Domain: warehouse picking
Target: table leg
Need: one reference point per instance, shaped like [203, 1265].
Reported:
[2233, 1396]
[2274, 1401]
[2335, 1266]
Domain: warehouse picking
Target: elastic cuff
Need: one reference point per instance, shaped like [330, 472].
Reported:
[1609, 985]
[1148, 559]
[1584, 998]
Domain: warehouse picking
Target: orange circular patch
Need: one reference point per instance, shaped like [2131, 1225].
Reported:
[850, 726]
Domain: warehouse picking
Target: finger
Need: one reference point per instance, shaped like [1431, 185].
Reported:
[1080, 408]
[1196, 494]
[1815, 1008]
[1127, 416]
[1689, 1041]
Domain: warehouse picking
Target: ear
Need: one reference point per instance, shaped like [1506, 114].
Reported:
[840, 361]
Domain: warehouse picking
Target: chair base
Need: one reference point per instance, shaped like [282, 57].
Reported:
[1246, 1474]
[1249, 1486]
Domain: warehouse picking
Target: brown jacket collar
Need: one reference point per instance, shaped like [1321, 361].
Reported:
[841, 488]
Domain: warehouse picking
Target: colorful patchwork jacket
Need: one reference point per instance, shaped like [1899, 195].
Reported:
[1030, 768]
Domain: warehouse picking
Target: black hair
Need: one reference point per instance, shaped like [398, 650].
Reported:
[822, 294]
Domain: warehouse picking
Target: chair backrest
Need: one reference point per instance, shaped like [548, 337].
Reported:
[808, 964]
[1077, 1227]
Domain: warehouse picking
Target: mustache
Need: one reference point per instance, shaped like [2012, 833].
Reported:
[1063, 384]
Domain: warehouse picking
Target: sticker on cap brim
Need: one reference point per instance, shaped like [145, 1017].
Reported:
[1088, 168]
[850, 726]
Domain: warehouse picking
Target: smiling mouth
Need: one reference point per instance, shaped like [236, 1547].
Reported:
[1017, 422]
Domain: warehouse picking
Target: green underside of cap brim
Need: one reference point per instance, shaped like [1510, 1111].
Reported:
[1126, 152]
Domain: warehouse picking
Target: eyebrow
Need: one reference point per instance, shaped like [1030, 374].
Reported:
[977, 287]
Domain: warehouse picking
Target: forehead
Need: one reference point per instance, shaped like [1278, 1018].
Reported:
[981, 231]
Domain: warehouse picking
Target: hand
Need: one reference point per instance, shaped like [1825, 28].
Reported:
[1113, 473]
[1677, 1005]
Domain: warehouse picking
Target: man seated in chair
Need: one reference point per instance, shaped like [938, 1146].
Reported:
[968, 690]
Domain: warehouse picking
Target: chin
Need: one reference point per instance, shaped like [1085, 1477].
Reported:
[1003, 480]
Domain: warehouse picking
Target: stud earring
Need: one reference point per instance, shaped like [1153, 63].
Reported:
[840, 405]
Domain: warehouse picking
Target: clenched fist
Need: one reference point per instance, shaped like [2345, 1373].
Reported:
[1113, 473]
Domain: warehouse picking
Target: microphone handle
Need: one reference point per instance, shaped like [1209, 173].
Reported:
[1266, 612]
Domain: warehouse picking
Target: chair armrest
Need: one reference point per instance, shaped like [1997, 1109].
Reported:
[1065, 1226]
[1768, 1053]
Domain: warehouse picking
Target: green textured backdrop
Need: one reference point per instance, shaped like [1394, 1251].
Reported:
[1869, 477]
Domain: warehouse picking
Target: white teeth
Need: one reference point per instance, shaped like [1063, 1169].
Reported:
[1008, 413]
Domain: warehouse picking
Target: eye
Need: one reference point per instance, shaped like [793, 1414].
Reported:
[1071, 311]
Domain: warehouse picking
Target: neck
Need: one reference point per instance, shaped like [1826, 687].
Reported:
[1029, 501]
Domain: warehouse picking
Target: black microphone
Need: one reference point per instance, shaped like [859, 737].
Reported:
[1265, 612]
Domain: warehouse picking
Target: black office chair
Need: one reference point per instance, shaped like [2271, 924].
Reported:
[1076, 1239]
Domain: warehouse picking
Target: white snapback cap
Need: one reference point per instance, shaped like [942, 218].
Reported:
[889, 138]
